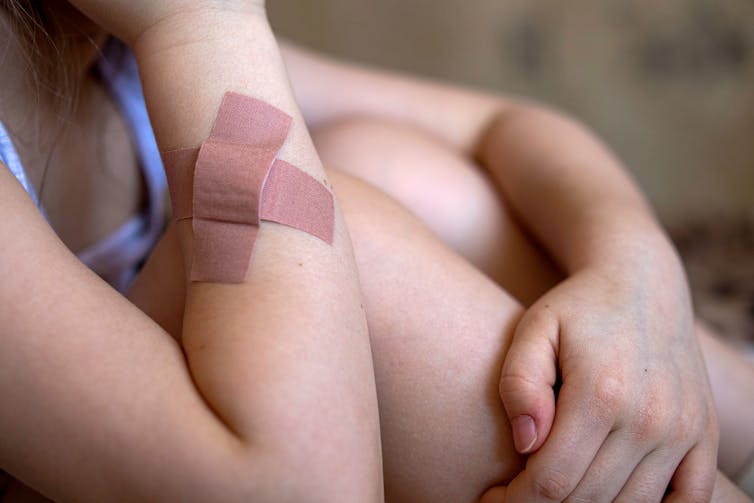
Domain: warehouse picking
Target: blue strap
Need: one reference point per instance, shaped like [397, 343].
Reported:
[10, 158]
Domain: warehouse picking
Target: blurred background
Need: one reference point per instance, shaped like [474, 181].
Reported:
[668, 85]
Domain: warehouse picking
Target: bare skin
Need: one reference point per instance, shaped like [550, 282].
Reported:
[349, 144]
[417, 346]
[83, 154]
[624, 304]
[405, 322]
[198, 436]
[448, 416]
[417, 356]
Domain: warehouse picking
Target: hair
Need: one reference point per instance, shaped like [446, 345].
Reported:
[40, 31]
[39, 42]
[46, 34]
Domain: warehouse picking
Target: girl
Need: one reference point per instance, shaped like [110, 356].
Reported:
[276, 396]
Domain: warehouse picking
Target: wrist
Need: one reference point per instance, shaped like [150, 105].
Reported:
[623, 235]
[200, 25]
[649, 267]
[189, 61]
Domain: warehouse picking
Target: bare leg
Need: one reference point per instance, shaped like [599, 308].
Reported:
[457, 201]
[732, 379]
[439, 331]
[422, 173]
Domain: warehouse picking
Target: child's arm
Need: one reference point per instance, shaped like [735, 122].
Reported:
[328, 90]
[293, 337]
[624, 308]
[275, 399]
[635, 401]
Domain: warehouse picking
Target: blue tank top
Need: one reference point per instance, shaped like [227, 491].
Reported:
[118, 257]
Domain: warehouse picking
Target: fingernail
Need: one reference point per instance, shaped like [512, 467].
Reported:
[524, 433]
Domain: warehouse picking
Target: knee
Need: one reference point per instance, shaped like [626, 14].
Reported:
[442, 187]
[429, 178]
[373, 217]
[365, 145]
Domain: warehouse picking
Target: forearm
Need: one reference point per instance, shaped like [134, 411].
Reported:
[159, 289]
[329, 90]
[547, 166]
[570, 190]
[283, 358]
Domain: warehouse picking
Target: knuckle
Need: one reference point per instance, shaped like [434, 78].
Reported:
[534, 318]
[553, 485]
[514, 385]
[686, 431]
[650, 423]
[609, 394]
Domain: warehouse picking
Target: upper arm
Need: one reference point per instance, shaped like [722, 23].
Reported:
[94, 396]
[328, 91]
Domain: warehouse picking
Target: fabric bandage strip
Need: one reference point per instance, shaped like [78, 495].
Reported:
[233, 181]
[290, 196]
[230, 171]
[296, 199]
[179, 170]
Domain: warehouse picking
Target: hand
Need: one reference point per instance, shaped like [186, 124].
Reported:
[190, 53]
[634, 409]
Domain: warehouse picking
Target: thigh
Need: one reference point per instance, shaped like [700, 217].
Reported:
[447, 191]
[439, 330]
[462, 207]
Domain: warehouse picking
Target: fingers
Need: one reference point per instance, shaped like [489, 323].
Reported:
[694, 480]
[584, 419]
[528, 377]
[692, 477]
[650, 479]
[609, 471]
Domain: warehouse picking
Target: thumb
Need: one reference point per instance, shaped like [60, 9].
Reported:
[529, 374]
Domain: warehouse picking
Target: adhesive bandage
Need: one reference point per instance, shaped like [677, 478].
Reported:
[234, 180]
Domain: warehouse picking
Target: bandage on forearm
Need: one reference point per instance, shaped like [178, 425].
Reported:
[234, 180]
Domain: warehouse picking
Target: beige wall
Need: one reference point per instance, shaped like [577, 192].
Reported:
[670, 84]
